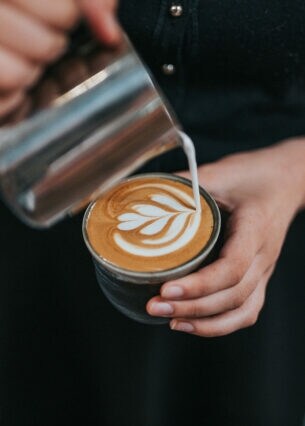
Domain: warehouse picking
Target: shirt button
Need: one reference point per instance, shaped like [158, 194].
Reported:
[168, 69]
[176, 10]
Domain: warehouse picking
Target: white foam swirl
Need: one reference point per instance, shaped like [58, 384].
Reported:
[166, 215]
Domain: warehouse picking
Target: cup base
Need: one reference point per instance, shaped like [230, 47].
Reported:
[129, 298]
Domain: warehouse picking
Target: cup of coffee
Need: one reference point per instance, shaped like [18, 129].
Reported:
[146, 231]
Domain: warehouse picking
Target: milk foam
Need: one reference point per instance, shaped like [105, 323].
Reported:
[165, 215]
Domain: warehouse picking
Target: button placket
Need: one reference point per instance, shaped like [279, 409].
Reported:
[175, 11]
[173, 40]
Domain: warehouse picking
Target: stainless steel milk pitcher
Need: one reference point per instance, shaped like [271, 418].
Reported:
[94, 118]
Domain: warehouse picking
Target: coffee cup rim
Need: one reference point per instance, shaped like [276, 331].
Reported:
[138, 277]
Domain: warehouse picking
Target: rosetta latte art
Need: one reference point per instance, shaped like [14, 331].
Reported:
[164, 223]
[149, 224]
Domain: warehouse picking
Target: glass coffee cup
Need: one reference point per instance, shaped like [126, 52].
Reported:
[130, 290]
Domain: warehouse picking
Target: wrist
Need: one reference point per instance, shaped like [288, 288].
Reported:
[292, 153]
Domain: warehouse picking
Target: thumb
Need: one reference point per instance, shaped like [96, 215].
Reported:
[101, 16]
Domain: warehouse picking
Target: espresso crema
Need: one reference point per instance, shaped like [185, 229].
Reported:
[149, 224]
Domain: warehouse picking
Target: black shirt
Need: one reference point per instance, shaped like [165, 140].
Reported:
[239, 67]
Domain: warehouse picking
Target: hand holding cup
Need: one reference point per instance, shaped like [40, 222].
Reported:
[262, 191]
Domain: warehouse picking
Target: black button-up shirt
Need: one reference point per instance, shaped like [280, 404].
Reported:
[233, 71]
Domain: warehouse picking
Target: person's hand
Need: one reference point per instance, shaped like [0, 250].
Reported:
[262, 190]
[33, 33]
[101, 15]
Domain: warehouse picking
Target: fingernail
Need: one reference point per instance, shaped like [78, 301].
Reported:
[172, 292]
[187, 327]
[161, 308]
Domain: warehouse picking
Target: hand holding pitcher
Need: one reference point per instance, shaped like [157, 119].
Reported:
[34, 33]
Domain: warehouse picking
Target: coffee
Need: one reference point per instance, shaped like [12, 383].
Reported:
[146, 231]
[149, 224]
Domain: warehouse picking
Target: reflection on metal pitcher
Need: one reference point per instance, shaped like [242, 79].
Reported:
[93, 118]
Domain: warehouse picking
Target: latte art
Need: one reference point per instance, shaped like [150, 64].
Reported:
[170, 224]
[149, 224]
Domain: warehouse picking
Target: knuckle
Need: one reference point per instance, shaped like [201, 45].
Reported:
[208, 333]
[53, 47]
[238, 298]
[200, 285]
[205, 331]
[237, 269]
[242, 292]
[70, 15]
[14, 80]
[251, 319]
[10, 102]
[214, 332]
[261, 302]
[205, 289]
[194, 309]
[13, 72]
[194, 285]
[32, 76]
[9, 82]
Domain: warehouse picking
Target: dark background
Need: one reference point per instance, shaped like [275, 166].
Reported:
[66, 356]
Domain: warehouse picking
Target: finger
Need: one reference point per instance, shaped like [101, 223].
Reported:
[27, 37]
[242, 245]
[226, 323]
[101, 16]
[16, 72]
[98, 5]
[19, 112]
[216, 303]
[9, 102]
[62, 14]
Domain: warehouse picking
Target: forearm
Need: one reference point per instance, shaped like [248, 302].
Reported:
[292, 152]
